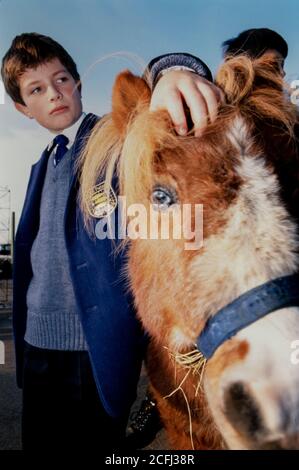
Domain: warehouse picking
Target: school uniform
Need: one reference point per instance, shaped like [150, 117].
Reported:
[79, 346]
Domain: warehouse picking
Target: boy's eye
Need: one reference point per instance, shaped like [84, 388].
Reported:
[36, 90]
[62, 79]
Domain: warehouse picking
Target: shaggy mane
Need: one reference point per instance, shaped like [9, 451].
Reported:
[253, 88]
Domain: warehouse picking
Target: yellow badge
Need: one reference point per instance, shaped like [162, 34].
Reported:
[102, 201]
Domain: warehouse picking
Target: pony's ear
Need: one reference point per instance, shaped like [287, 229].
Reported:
[129, 91]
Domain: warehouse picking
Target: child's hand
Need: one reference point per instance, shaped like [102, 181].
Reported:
[179, 87]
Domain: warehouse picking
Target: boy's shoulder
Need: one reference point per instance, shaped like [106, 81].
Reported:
[89, 121]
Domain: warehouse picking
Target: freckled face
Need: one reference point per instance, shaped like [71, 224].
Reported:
[50, 95]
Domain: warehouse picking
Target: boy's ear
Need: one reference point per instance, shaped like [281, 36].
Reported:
[128, 92]
[23, 109]
[79, 86]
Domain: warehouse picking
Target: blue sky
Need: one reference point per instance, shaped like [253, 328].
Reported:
[93, 30]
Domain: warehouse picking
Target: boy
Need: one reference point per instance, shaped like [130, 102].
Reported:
[79, 345]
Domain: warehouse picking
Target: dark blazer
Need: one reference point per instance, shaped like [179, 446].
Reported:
[113, 334]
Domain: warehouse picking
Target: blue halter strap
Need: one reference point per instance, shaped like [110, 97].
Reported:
[246, 309]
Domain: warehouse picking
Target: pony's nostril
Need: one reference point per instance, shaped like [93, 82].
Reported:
[242, 410]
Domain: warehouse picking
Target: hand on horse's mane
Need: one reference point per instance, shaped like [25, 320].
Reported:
[187, 97]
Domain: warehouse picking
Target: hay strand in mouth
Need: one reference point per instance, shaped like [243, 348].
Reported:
[195, 362]
[187, 403]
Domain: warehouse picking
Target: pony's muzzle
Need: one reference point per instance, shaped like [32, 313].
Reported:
[263, 422]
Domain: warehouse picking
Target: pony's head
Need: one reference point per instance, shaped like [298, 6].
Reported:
[243, 171]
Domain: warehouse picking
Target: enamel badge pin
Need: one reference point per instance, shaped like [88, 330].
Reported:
[102, 201]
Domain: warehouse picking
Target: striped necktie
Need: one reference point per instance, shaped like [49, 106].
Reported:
[61, 142]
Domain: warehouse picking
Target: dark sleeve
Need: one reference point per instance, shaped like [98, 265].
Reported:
[176, 59]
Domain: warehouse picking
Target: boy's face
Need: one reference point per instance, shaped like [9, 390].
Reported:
[50, 95]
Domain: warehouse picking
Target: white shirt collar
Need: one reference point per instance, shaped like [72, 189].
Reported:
[70, 132]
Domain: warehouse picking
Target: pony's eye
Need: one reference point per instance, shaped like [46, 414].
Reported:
[162, 198]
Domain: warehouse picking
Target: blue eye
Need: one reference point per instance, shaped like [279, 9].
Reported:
[162, 197]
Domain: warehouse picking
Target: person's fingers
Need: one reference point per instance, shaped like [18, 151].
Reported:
[212, 99]
[218, 92]
[197, 105]
[175, 108]
[178, 88]
[221, 95]
[173, 103]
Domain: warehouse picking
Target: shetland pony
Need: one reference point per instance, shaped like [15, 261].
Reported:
[223, 319]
